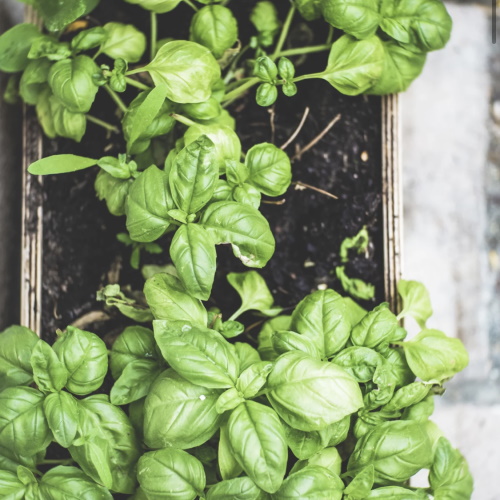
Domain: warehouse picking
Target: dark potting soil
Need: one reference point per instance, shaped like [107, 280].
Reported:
[80, 246]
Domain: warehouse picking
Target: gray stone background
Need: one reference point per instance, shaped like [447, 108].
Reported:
[451, 173]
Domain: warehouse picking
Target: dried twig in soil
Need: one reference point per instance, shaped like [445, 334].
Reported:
[89, 318]
[318, 138]
[278, 202]
[303, 185]
[299, 128]
[272, 116]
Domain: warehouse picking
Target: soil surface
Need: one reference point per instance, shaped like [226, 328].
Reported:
[80, 246]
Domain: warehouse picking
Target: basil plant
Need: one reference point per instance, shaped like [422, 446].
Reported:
[182, 170]
[381, 49]
[200, 196]
[331, 401]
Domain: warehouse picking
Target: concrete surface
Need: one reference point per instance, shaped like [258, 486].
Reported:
[451, 172]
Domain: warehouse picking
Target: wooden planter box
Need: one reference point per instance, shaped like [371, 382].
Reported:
[33, 209]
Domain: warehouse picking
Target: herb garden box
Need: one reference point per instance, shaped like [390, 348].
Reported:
[69, 239]
[168, 368]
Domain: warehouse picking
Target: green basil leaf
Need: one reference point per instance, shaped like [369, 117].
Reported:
[207, 110]
[361, 485]
[11, 488]
[311, 482]
[244, 228]
[88, 39]
[16, 346]
[309, 9]
[356, 287]
[397, 450]
[449, 475]
[393, 493]
[183, 473]
[248, 195]
[266, 69]
[194, 175]
[49, 373]
[377, 327]
[61, 410]
[269, 169]
[222, 120]
[158, 6]
[229, 400]
[303, 444]
[359, 18]
[15, 45]
[141, 118]
[25, 475]
[49, 47]
[134, 343]
[385, 381]
[408, 395]
[169, 300]
[416, 301]
[329, 458]
[226, 141]
[215, 27]
[148, 116]
[247, 355]
[72, 83]
[231, 329]
[123, 41]
[67, 123]
[360, 362]
[354, 65]
[251, 380]
[321, 318]
[257, 439]
[188, 69]
[71, 483]
[434, 357]
[291, 341]
[266, 348]
[264, 17]
[240, 488]
[420, 411]
[401, 66]
[193, 254]
[254, 293]
[135, 381]
[198, 354]
[148, 205]
[178, 413]
[105, 426]
[309, 394]
[399, 367]
[425, 24]
[10, 461]
[358, 243]
[33, 80]
[85, 358]
[266, 94]
[23, 428]
[60, 164]
[354, 311]
[44, 112]
[228, 465]
[114, 191]
[57, 14]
